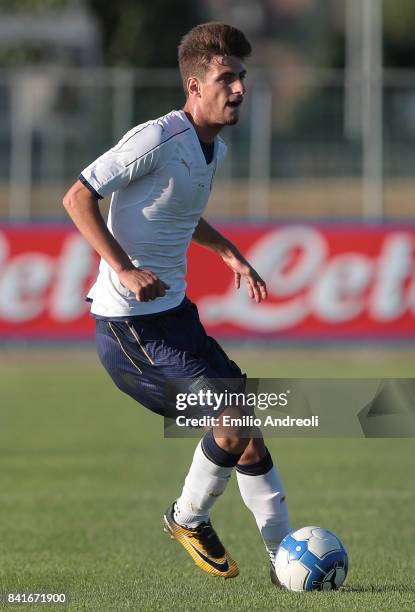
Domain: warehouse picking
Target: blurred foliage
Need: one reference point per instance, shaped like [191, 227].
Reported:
[21, 55]
[399, 26]
[146, 32]
[143, 33]
[321, 110]
[398, 37]
[399, 18]
[134, 32]
[32, 6]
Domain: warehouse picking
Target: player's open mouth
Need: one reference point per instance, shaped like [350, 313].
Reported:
[234, 103]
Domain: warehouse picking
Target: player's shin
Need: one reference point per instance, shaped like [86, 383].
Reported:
[205, 482]
[262, 491]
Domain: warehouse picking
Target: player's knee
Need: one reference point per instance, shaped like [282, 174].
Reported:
[254, 451]
[233, 433]
[233, 444]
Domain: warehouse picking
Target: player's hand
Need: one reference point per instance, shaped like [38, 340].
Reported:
[145, 285]
[256, 286]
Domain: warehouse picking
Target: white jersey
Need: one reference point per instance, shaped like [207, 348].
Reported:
[160, 183]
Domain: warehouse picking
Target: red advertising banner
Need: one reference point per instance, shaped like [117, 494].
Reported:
[45, 271]
[329, 282]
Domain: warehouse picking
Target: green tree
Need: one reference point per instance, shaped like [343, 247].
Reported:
[32, 6]
[144, 33]
[399, 25]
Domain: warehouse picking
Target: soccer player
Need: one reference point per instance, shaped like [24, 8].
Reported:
[147, 331]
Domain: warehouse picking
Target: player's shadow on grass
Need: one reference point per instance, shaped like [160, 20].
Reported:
[381, 588]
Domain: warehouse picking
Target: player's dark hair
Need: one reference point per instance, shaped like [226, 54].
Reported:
[205, 41]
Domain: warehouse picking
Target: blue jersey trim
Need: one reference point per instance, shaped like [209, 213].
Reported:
[89, 186]
[137, 131]
[159, 145]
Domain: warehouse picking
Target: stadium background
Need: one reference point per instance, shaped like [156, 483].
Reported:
[323, 157]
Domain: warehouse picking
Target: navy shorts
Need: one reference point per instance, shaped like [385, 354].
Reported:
[144, 355]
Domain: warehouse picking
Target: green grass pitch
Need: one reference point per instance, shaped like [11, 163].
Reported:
[85, 475]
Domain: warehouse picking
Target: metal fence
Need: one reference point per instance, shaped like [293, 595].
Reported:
[305, 146]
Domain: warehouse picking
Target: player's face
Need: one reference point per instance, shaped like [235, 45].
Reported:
[222, 91]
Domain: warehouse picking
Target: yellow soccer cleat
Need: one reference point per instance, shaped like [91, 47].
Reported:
[203, 545]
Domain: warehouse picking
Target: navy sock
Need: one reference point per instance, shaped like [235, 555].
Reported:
[216, 454]
[260, 467]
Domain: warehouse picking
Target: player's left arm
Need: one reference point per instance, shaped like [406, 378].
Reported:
[208, 237]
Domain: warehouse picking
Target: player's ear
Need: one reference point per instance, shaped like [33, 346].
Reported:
[193, 86]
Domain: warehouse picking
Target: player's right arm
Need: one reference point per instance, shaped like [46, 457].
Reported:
[83, 208]
[136, 155]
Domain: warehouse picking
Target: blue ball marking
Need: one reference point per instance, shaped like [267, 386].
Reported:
[295, 549]
[319, 568]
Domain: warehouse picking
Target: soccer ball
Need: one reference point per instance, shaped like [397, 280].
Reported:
[311, 559]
